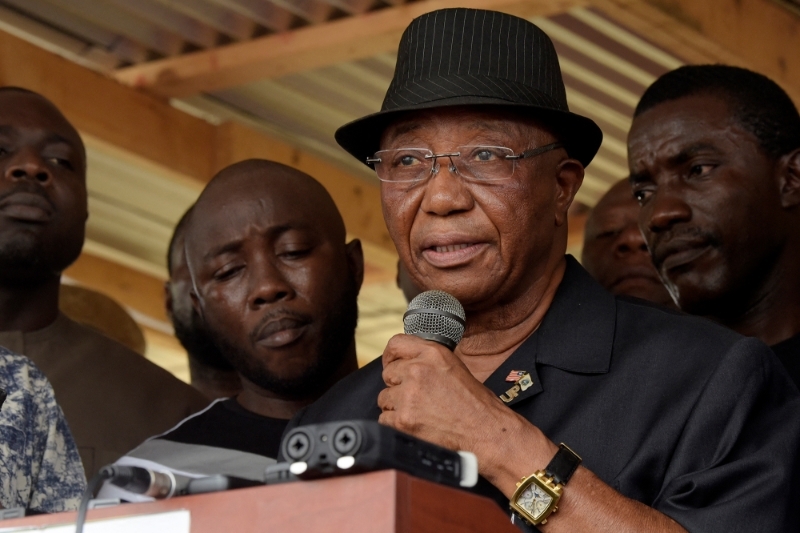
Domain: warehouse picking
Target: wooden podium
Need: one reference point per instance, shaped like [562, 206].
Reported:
[378, 502]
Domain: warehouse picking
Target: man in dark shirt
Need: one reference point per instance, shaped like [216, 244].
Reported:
[681, 424]
[276, 286]
[614, 251]
[714, 155]
[209, 371]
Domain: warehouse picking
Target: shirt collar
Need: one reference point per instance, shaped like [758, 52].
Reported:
[576, 335]
[577, 332]
[23, 341]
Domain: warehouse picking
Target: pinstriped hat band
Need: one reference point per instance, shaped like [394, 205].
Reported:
[481, 58]
[433, 88]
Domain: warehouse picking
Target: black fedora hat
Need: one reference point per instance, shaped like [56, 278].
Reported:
[456, 57]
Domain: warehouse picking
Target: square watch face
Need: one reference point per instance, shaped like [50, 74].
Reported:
[534, 500]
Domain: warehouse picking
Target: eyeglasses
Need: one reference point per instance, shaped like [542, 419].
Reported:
[476, 163]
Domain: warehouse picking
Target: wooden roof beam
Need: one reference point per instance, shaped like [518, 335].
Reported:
[304, 49]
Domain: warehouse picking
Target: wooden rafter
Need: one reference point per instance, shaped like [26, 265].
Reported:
[304, 49]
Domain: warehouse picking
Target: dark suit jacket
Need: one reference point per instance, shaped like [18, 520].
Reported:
[674, 411]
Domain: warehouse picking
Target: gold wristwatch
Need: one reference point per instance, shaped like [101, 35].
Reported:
[537, 495]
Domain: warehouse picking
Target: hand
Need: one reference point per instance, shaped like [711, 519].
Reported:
[432, 395]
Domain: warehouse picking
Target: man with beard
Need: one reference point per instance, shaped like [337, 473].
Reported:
[614, 251]
[714, 154]
[112, 397]
[276, 285]
[621, 415]
[209, 371]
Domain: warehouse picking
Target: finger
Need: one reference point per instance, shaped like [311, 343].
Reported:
[386, 400]
[398, 348]
[393, 373]
[407, 347]
[387, 418]
[396, 372]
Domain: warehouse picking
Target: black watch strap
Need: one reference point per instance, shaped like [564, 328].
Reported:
[563, 465]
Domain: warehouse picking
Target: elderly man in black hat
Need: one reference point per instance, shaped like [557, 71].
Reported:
[669, 422]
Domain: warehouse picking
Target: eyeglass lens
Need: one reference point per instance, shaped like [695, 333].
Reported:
[480, 163]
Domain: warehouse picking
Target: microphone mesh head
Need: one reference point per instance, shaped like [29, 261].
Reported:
[433, 322]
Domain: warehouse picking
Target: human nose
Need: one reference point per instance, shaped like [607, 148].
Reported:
[445, 192]
[665, 209]
[268, 285]
[630, 241]
[27, 165]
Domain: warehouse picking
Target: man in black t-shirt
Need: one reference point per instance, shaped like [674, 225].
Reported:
[276, 286]
[714, 154]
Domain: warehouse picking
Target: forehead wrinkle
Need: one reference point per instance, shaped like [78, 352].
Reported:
[243, 221]
[690, 151]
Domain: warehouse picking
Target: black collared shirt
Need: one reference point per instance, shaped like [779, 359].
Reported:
[788, 352]
[674, 411]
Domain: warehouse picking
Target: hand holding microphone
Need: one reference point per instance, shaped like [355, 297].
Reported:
[430, 393]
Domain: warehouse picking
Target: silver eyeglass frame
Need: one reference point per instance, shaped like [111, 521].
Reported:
[514, 157]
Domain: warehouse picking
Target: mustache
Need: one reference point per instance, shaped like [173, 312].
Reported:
[277, 319]
[28, 188]
[667, 243]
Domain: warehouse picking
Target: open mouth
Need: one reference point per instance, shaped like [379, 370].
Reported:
[452, 255]
[451, 248]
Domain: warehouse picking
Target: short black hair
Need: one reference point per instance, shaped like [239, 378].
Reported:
[759, 105]
[180, 229]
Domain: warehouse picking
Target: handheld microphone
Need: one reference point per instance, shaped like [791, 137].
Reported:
[435, 316]
[158, 485]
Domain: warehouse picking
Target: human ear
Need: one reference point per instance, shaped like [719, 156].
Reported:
[789, 179]
[569, 176]
[168, 305]
[355, 261]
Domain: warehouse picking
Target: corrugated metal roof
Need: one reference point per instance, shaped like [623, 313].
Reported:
[606, 67]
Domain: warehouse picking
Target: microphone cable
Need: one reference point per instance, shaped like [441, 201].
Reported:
[107, 472]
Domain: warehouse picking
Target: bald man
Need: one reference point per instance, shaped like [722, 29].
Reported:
[614, 250]
[276, 285]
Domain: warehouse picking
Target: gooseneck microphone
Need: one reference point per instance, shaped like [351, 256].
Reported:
[435, 316]
[158, 485]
